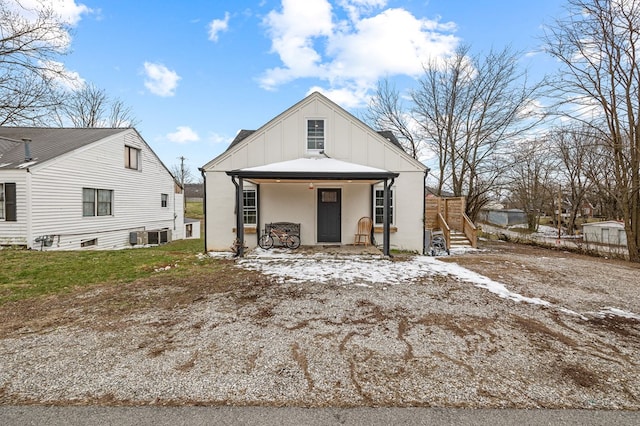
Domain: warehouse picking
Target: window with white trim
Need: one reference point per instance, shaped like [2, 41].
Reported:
[378, 206]
[250, 207]
[131, 157]
[97, 202]
[8, 202]
[164, 200]
[315, 135]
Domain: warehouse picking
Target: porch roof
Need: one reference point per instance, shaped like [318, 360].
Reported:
[319, 168]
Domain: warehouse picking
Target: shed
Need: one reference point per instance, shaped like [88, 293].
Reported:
[609, 232]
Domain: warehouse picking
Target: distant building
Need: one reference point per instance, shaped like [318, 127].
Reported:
[609, 233]
[503, 217]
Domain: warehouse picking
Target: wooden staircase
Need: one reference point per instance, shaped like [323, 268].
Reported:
[458, 239]
[447, 216]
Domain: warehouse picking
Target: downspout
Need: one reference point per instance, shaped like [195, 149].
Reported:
[424, 212]
[239, 217]
[204, 205]
[387, 217]
[29, 210]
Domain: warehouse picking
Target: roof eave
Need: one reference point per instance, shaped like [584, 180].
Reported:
[295, 175]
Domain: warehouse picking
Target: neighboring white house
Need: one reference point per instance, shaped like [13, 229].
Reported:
[72, 189]
[315, 165]
[609, 233]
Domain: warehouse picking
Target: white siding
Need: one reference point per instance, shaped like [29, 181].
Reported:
[15, 233]
[57, 195]
[346, 139]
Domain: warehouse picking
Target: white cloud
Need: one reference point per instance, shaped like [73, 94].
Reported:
[218, 25]
[346, 97]
[183, 134]
[160, 80]
[65, 79]
[353, 53]
[68, 11]
[216, 138]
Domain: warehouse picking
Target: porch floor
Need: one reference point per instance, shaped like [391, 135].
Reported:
[336, 249]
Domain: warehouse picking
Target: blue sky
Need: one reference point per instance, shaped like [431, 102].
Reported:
[195, 72]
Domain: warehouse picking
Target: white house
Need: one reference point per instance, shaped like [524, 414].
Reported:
[72, 189]
[315, 165]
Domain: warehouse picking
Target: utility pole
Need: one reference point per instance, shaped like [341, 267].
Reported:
[182, 158]
[184, 192]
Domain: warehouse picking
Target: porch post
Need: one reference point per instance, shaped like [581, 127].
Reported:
[239, 215]
[387, 218]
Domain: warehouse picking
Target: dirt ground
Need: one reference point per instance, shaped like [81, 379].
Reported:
[226, 335]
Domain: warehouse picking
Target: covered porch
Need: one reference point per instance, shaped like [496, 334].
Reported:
[325, 196]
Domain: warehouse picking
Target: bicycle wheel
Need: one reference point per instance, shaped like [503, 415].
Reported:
[266, 242]
[293, 241]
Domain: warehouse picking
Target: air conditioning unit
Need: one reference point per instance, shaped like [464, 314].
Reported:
[152, 237]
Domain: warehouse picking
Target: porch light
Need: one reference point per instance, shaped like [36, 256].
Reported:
[310, 185]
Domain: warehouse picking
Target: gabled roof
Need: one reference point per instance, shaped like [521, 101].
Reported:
[45, 143]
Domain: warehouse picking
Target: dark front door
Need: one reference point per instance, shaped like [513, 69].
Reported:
[329, 207]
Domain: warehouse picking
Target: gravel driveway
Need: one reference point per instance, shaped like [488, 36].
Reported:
[249, 334]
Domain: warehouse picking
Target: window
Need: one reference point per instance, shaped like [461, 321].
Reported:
[8, 202]
[88, 243]
[2, 208]
[378, 206]
[250, 207]
[315, 135]
[97, 202]
[131, 157]
[164, 200]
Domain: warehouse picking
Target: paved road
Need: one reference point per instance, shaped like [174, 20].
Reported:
[124, 416]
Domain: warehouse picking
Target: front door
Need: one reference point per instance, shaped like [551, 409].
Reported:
[329, 223]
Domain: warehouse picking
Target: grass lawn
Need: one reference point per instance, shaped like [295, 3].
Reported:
[27, 274]
[194, 210]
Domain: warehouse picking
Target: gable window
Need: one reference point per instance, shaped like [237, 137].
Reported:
[378, 206]
[315, 135]
[250, 207]
[8, 202]
[164, 200]
[131, 157]
[97, 202]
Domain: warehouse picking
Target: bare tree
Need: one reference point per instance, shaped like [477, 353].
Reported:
[182, 172]
[30, 41]
[90, 106]
[386, 112]
[467, 110]
[598, 45]
[572, 148]
[530, 179]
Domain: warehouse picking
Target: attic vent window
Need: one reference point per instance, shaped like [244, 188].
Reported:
[315, 135]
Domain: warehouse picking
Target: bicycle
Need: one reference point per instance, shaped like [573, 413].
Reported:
[267, 240]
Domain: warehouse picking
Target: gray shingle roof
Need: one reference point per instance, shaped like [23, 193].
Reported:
[46, 143]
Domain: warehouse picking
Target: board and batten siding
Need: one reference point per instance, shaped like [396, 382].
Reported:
[15, 233]
[57, 195]
[346, 139]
